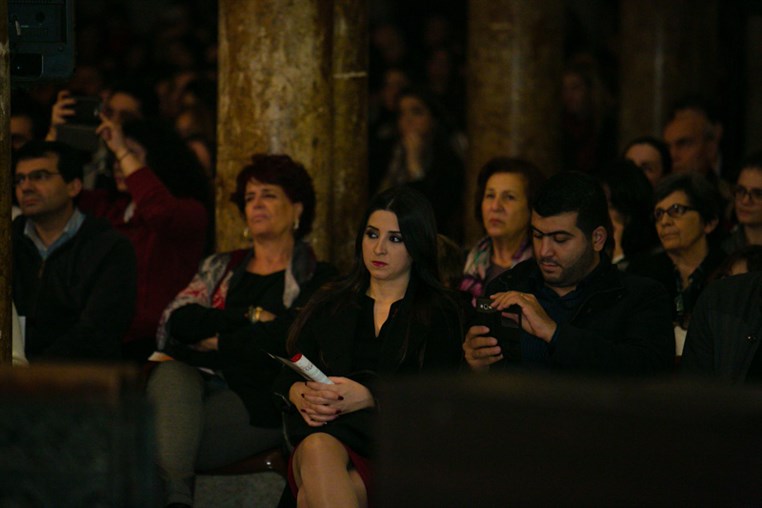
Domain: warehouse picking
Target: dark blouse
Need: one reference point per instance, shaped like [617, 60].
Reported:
[193, 322]
[265, 291]
[367, 347]
[343, 343]
[242, 357]
[660, 267]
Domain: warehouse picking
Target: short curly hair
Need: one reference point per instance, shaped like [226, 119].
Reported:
[283, 171]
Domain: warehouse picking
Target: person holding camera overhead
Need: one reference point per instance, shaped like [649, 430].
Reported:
[160, 199]
[577, 311]
[162, 204]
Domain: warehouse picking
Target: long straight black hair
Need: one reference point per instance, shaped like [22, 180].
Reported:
[419, 234]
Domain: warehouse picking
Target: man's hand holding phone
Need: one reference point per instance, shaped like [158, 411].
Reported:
[489, 340]
[481, 350]
[535, 321]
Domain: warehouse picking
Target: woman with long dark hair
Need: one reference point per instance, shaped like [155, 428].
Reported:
[389, 316]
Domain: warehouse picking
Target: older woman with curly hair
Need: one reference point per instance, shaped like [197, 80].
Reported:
[212, 392]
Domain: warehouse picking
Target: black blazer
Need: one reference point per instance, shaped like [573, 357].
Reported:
[327, 340]
[726, 329]
[622, 327]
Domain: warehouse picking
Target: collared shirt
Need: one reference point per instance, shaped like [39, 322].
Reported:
[69, 230]
[561, 309]
[686, 297]
[368, 346]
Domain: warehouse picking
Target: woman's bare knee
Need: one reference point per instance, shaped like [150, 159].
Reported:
[318, 451]
[319, 446]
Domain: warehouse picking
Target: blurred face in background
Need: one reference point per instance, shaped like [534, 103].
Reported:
[505, 206]
[575, 94]
[22, 131]
[414, 117]
[748, 197]
[394, 81]
[647, 158]
[122, 107]
[692, 142]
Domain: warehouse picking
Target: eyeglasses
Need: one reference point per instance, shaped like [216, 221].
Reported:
[674, 211]
[38, 175]
[740, 192]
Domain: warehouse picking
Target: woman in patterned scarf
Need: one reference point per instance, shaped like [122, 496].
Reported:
[505, 190]
[212, 389]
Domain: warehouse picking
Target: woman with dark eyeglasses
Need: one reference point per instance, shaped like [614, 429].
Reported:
[748, 206]
[686, 213]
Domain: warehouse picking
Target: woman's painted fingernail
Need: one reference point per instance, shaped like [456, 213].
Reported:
[341, 398]
[338, 411]
[302, 395]
[302, 410]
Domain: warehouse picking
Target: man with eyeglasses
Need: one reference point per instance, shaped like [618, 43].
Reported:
[578, 312]
[74, 277]
[748, 206]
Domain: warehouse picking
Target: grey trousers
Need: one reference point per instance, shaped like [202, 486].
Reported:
[200, 424]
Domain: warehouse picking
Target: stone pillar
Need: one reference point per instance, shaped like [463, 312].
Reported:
[668, 49]
[753, 84]
[515, 62]
[6, 187]
[350, 126]
[275, 97]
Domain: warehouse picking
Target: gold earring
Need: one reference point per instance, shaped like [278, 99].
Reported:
[246, 234]
[296, 223]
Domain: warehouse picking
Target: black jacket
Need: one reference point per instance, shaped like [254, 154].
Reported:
[726, 329]
[659, 267]
[623, 326]
[327, 340]
[79, 302]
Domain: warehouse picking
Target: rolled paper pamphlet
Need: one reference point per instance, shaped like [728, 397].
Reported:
[309, 370]
[306, 368]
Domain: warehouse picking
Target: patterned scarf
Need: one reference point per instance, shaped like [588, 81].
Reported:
[210, 285]
[479, 261]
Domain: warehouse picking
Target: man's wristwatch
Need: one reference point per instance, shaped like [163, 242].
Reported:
[254, 313]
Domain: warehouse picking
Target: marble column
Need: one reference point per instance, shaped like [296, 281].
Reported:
[275, 96]
[6, 188]
[668, 49]
[515, 63]
[350, 126]
[753, 83]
